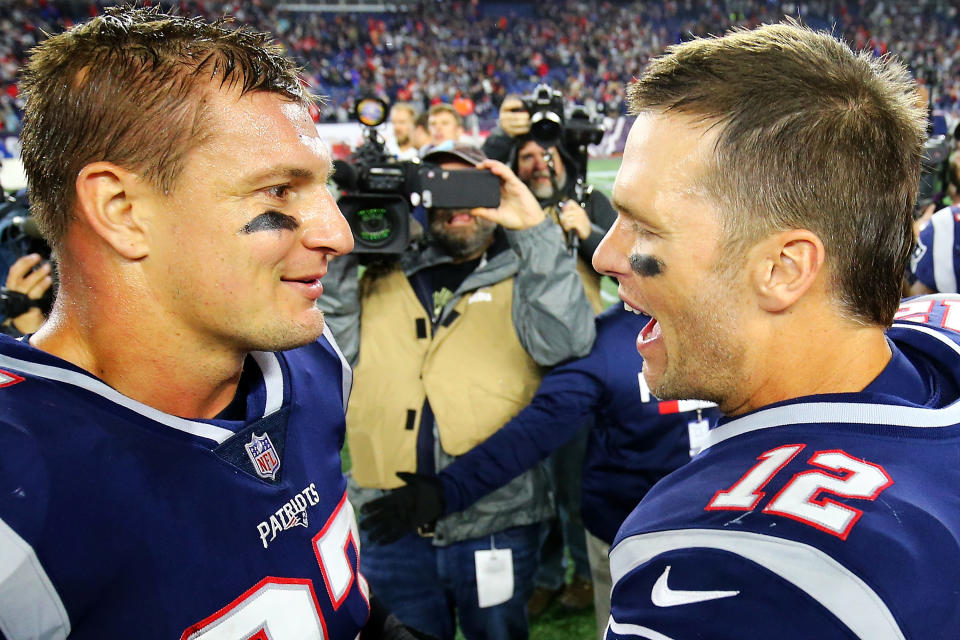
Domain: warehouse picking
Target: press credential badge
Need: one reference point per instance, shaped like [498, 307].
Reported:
[494, 576]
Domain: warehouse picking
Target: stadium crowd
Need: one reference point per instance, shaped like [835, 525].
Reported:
[438, 51]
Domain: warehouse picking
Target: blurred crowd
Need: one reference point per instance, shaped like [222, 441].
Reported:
[473, 53]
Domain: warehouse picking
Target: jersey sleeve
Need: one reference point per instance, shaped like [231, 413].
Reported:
[30, 606]
[921, 261]
[567, 396]
[705, 584]
[934, 262]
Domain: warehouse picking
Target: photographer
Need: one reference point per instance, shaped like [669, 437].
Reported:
[544, 169]
[28, 281]
[25, 274]
[550, 171]
[450, 341]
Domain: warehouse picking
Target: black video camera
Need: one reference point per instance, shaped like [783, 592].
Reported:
[378, 190]
[549, 127]
[934, 172]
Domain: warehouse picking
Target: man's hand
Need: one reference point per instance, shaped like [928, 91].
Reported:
[389, 518]
[514, 117]
[518, 208]
[33, 284]
[574, 217]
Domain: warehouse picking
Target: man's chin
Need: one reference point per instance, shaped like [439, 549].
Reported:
[543, 192]
[663, 386]
[292, 336]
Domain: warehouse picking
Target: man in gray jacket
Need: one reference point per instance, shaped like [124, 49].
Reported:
[450, 340]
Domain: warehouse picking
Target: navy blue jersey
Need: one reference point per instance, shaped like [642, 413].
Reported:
[934, 261]
[829, 516]
[120, 521]
[635, 440]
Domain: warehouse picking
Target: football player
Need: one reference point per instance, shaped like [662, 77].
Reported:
[171, 434]
[765, 206]
[934, 262]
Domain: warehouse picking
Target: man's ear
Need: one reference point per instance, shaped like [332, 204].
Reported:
[108, 200]
[787, 266]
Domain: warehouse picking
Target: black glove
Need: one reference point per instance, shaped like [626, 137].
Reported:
[389, 518]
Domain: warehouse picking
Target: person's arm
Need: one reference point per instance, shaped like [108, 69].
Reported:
[513, 121]
[340, 304]
[29, 276]
[934, 260]
[498, 145]
[551, 314]
[567, 396]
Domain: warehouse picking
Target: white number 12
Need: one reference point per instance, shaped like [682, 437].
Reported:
[801, 499]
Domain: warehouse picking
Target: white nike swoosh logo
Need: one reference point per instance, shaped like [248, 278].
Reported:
[664, 596]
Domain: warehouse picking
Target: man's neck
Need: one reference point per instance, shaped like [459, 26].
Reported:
[185, 380]
[811, 360]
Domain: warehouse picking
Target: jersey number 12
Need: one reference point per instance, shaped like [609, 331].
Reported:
[802, 497]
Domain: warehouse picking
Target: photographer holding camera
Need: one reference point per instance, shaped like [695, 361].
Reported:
[450, 340]
[548, 152]
[25, 271]
[550, 158]
[24, 295]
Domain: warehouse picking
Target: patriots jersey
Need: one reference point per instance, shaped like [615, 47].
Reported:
[935, 260]
[120, 521]
[830, 516]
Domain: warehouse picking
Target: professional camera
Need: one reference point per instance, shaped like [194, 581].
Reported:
[935, 167]
[19, 236]
[934, 171]
[380, 190]
[376, 188]
[549, 128]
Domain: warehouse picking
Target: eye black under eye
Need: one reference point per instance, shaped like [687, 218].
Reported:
[270, 221]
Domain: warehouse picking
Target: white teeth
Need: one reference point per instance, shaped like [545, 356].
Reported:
[627, 307]
[651, 335]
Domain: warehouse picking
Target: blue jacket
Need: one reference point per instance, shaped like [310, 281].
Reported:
[635, 440]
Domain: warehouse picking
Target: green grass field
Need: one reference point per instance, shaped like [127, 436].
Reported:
[601, 172]
[556, 624]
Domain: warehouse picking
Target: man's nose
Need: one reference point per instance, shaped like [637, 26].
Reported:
[327, 229]
[611, 256]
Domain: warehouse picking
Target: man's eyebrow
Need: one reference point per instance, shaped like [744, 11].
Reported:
[285, 173]
[620, 206]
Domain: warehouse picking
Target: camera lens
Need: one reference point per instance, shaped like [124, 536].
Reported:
[373, 226]
[546, 127]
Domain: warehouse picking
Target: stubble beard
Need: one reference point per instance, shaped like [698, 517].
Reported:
[289, 336]
[708, 364]
[541, 186]
[462, 243]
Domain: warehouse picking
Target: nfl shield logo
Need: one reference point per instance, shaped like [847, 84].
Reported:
[263, 456]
